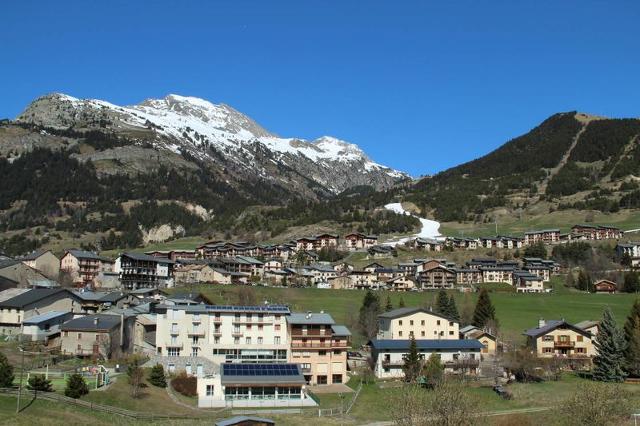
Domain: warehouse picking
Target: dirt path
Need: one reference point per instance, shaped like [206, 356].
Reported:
[554, 171]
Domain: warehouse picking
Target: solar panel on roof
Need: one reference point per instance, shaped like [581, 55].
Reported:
[260, 369]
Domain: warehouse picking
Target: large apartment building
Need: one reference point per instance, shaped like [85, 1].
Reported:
[319, 346]
[244, 334]
[433, 333]
[143, 271]
[84, 266]
[403, 323]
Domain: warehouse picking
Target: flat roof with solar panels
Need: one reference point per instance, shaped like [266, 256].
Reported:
[245, 374]
[202, 308]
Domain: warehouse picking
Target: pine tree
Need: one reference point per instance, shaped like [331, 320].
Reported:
[6, 372]
[442, 303]
[609, 362]
[76, 386]
[38, 382]
[389, 306]
[453, 310]
[369, 311]
[632, 338]
[157, 377]
[631, 282]
[484, 311]
[401, 304]
[412, 364]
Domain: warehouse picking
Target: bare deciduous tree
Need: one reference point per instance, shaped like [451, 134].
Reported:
[596, 404]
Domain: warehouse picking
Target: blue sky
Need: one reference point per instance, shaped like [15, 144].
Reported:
[421, 86]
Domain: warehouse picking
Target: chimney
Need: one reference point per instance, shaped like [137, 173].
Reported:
[541, 323]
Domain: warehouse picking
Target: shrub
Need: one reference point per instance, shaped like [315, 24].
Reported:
[6, 372]
[185, 385]
[37, 382]
[76, 386]
[156, 376]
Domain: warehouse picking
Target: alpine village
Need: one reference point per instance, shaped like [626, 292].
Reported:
[174, 262]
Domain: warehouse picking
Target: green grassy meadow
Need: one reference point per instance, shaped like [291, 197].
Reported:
[515, 312]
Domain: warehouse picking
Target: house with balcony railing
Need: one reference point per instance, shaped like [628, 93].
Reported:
[559, 338]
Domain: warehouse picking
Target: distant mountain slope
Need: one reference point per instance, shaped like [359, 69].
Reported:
[571, 160]
[216, 135]
[89, 168]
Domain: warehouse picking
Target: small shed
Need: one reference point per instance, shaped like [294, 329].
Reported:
[605, 286]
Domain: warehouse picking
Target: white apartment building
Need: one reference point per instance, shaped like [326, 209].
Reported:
[402, 323]
[219, 334]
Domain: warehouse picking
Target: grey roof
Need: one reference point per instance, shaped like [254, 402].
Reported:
[400, 312]
[468, 328]
[551, 325]
[427, 344]
[45, 317]
[100, 296]
[84, 254]
[34, 255]
[88, 323]
[5, 263]
[340, 330]
[202, 308]
[32, 296]
[146, 257]
[587, 324]
[233, 421]
[313, 318]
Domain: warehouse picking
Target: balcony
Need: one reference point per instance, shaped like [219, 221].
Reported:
[237, 334]
[217, 333]
[217, 320]
[175, 345]
[563, 344]
[462, 363]
[196, 333]
[196, 320]
[311, 344]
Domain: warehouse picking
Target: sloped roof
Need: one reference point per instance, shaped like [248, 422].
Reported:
[32, 296]
[426, 344]
[551, 325]
[88, 323]
[314, 318]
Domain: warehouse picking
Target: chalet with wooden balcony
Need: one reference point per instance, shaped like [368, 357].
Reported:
[559, 338]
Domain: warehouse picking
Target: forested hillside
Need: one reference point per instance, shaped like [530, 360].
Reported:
[570, 160]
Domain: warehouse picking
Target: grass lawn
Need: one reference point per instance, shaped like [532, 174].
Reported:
[152, 399]
[516, 312]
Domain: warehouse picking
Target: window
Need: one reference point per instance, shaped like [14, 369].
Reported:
[422, 333]
[260, 340]
[276, 340]
[451, 333]
[98, 337]
[422, 322]
[79, 336]
[247, 340]
[209, 390]
[236, 340]
[337, 352]
[260, 327]
[411, 322]
[547, 338]
[400, 333]
[194, 351]
[450, 323]
[438, 322]
[579, 338]
[172, 368]
[277, 327]
[400, 322]
[248, 326]
[322, 353]
[336, 378]
[581, 350]
[173, 351]
[216, 340]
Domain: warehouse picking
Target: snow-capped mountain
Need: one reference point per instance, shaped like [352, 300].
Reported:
[213, 134]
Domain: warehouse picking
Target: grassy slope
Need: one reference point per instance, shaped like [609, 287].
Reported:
[515, 312]
[565, 219]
